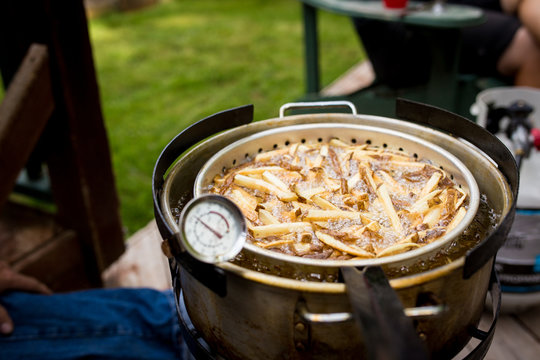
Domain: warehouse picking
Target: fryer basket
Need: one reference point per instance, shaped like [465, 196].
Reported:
[245, 149]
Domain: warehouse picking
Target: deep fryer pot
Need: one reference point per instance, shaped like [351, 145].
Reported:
[386, 320]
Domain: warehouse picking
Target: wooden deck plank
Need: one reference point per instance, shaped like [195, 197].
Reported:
[531, 320]
[512, 341]
[356, 78]
[142, 264]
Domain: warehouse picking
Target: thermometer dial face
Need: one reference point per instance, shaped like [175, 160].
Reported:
[213, 228]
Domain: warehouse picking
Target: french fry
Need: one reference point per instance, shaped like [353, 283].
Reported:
[264, 186]
[338, 143]
[317, 215]
[460, 214]
[321, 224]
[267, 218]
[384, 197]
[433, 216]
[279, 229]
[323, 203]
[301, 248]
[370, 180]
[408, 164]
[391, 183]
[274, 243]
[324, 150]
[396, 249]
[274, 180]
[410, 238]
[421, 204]
[459, 203]
[246, 202]
[353, 181]
[305, 237]
[336, 244]
[308, 193]
[258, 170]
[431, 184]
[293, 148]
[315, 163]
[373, 226]
[331, 184]
[266, 156]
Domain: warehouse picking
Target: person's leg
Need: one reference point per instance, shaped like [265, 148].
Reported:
[502, 47]
[529, 13]
[522, 60]
[484, 45]
[104, 323]
[399, 54]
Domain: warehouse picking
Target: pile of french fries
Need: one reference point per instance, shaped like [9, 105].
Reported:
[335, 200]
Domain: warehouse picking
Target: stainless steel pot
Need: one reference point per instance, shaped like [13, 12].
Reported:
[249, 314]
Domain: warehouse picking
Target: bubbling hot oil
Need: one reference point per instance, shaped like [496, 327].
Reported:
[483, 224]
[485, 221]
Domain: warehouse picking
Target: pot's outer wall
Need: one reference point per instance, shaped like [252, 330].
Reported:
[257, 321]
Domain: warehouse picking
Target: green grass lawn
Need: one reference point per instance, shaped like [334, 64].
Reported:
[166, 66]
[169, 65]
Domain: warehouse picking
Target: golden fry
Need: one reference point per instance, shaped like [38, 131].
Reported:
[336, 244]
[264, 186]
[279, 229]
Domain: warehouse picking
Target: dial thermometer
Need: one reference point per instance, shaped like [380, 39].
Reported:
[212, 228]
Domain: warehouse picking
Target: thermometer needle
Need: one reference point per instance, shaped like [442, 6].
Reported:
[219, 236]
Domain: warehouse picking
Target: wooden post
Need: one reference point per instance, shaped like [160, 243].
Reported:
[311, 42]
[75, 144]
[24, 112]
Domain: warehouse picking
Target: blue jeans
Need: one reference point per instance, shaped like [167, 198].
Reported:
[102, 324]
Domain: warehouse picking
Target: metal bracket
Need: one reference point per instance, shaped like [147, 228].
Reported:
[209, 275]
[458, 126]
[302, 328]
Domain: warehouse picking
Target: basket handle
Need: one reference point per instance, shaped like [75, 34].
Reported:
[317, 104]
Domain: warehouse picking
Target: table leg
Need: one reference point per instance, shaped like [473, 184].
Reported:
[311, 45]
[445, 52]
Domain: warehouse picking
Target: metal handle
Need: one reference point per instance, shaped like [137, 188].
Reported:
[316, 104]
[415, 313]
[318, 318]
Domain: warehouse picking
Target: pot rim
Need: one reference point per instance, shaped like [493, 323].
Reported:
[337, 288]
[446, 140]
